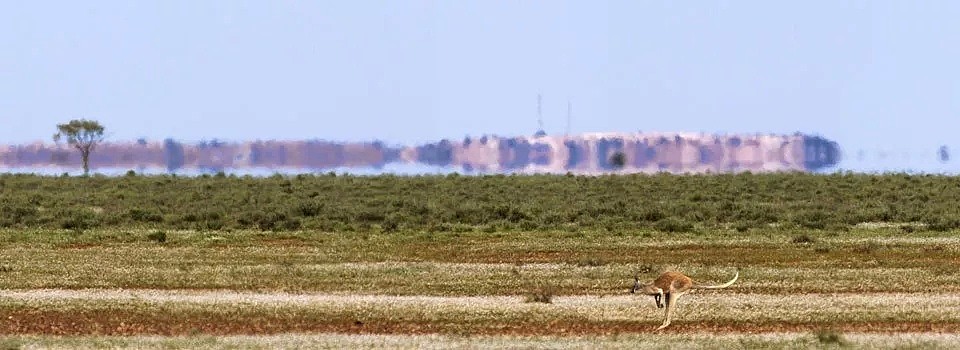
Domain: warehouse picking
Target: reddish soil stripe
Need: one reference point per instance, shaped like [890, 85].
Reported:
[122, 322]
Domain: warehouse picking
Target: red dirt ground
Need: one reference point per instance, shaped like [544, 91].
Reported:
[123, 322]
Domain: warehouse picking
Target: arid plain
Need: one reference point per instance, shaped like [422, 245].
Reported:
[439, 281]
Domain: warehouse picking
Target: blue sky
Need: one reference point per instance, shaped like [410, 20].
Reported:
[877, 76]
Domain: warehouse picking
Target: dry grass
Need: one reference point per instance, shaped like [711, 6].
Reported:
[178, 312]
[135, 269]
[473, 264]
[401, 289]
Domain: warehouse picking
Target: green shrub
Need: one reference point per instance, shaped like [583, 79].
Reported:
[391, 223]
[210, 225]
[651, 214]
[190, 217]
[370, 216]
[12, 215]
[673, 224]
[269, 221]
[943, 224]
[78, 220]
[744, 226]
[309, 208]
[143, 215]
[507, 212]
[812, 219]
[291, 224]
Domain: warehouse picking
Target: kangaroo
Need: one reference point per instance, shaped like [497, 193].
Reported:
[668, 288]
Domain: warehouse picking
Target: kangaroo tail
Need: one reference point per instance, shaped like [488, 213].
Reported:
[725, 285]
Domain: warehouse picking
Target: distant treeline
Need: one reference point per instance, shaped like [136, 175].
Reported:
[386, 203]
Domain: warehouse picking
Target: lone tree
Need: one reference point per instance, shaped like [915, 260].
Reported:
[84, 135]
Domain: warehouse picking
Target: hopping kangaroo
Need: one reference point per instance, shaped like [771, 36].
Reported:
[668, 288]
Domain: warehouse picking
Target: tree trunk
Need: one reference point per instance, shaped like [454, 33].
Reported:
[85, 157]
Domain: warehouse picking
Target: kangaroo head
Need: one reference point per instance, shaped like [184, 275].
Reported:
[647, 289]
[644, 288]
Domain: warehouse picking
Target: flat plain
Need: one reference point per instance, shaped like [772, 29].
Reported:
[865, 287]
[119, 284]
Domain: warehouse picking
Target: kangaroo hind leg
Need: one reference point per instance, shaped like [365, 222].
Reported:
[671, 301]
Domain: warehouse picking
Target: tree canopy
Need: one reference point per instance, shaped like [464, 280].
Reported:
[82, 134]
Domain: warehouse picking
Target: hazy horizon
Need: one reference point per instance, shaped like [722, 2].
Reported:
[877, 77]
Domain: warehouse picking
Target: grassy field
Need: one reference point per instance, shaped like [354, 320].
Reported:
[443, 283]
[869, 286]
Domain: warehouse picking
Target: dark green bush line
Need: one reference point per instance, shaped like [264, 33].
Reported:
[670, 203]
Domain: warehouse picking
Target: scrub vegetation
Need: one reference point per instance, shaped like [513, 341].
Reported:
[488, 261]
[386, 203]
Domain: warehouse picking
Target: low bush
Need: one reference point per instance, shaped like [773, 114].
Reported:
[830, 337]
[803, 239]
[157, 236]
